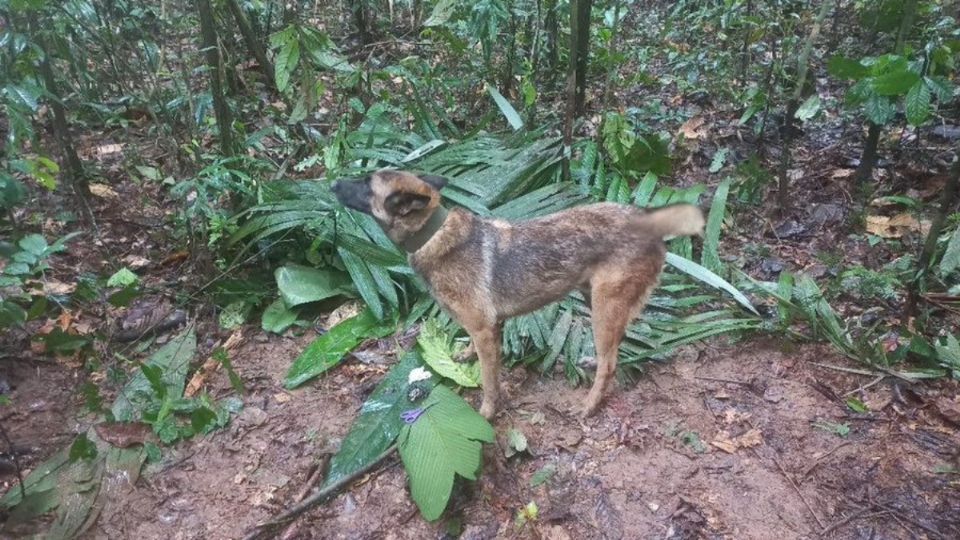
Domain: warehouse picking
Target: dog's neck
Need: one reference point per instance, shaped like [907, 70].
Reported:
[420, 238]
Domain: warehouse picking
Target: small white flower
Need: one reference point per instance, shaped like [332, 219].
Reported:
[418, 374]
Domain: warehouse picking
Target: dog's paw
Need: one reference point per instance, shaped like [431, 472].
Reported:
[467, 355]
[488, 410]
[590, 405]
[588, 363]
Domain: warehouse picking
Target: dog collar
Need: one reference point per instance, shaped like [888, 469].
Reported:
[419, 239]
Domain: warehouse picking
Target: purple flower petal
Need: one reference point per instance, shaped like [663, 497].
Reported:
[412, 415]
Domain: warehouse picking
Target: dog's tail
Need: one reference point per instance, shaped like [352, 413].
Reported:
[675, 220]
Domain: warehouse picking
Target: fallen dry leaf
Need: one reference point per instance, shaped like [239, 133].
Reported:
[72, 361]
[55, 287]
[896, 226]
[345, 311]
[842, 173]
[177, 257]
[732, 416]
[103, 191]
[83, 328]
[135, 262]
[691, 129]
[554, 532]
[730, 445]
[949, 409]
[108, 149]
[125, 434]
[211, 364]
[65, 320]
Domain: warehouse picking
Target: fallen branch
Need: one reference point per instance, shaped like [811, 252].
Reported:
[315, 477]
[863, 513]
[268, 529]
[795, 487]
[809, 469]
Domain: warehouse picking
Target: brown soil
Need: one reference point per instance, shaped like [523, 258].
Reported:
[650, 465]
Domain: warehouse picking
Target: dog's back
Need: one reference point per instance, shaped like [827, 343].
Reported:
[532, 263]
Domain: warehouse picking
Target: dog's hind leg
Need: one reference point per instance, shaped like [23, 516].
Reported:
[617, 297]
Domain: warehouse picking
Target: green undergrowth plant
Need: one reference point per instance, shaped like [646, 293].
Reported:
[514, 177]
[76, 481]
[437, 434]
[803, 312]
[22, 295]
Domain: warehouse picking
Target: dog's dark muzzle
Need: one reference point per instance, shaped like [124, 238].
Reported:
[354, 194]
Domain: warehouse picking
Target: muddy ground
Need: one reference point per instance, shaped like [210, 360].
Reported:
[721, 442]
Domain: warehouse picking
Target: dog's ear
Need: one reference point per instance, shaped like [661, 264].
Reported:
[436, 181]
[402, 203]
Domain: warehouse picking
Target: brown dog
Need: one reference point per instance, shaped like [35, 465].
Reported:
[483, 271]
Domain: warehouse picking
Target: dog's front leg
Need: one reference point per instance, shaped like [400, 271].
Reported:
[467, 354]
[486, 341]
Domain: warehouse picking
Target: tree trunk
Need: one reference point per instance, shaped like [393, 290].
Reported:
[870, 148]
[359, 8]
[948, 200]
[208, 32]
[570, 112]
[253, 44]
[552, 30]
[788, 128]
[510, 60]
[70, 163]
[581, 38]
[868, 159]
[534, 60]
[609, 85]
[745, 47]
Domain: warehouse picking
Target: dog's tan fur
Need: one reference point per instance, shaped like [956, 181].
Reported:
[483, 271]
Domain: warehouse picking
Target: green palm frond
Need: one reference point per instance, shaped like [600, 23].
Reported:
[515, 177]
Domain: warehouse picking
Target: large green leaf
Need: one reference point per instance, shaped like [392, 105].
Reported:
[329, 349]
[918, 103]
[951, 257]
[362, 281]
[287, 58]
[443, 442]
[277, 317]
[75, 487]
[894, 83]
[513, 118]
[302, 284]
[441, 13]
[948, 354]
[846, 68]
[172, 360]
[439, 351]
[378, 424]
[711, 238]
[879, 109]
[700, 273]
[43, 478]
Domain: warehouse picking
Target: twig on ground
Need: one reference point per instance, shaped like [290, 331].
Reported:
[794, 486]
[861, 388]
[859, 514]
[847, 370]
[819, 460]
[729, 381]
[318, 473]
[16, 462]
[268, 529]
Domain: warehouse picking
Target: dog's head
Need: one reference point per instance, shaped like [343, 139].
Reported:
[400, 201]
